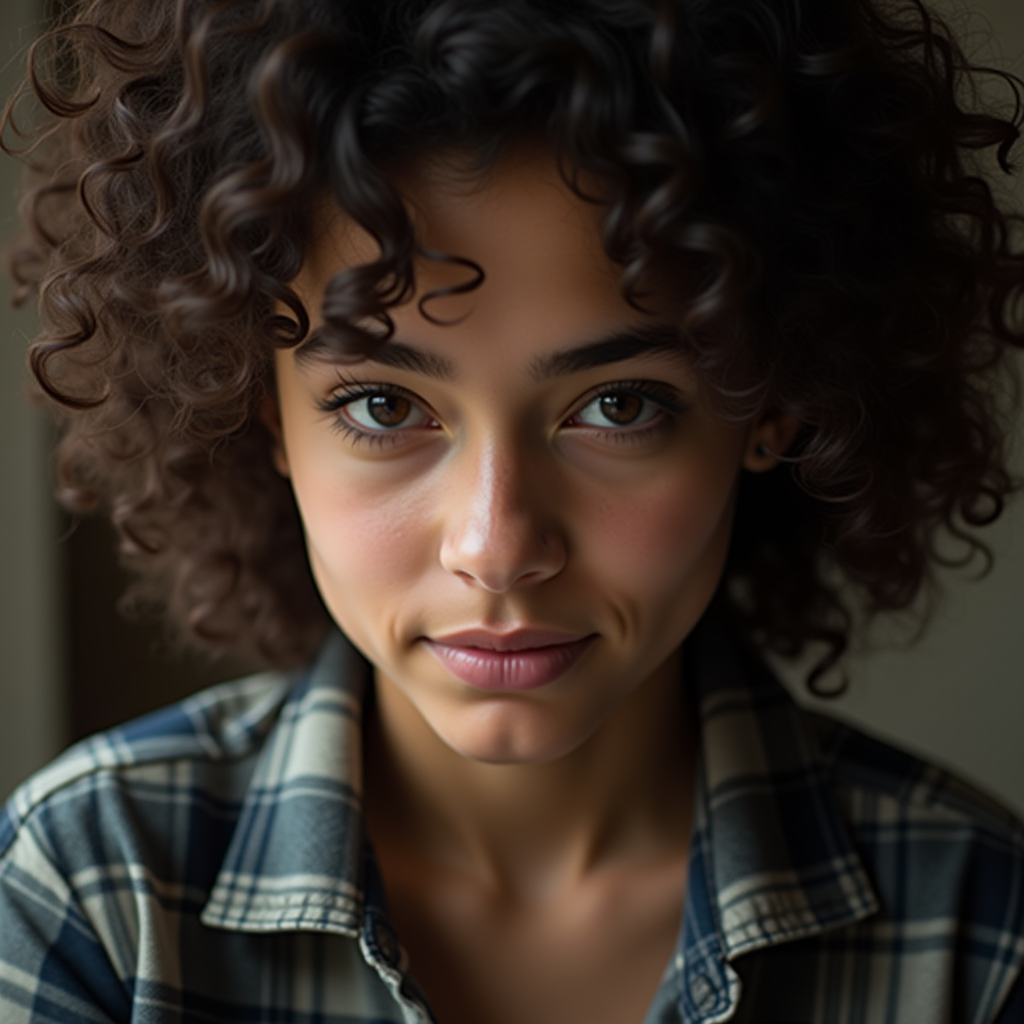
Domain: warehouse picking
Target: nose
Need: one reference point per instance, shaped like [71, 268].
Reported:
[498, 534]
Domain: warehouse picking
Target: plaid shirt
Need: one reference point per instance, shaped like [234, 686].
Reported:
[208, 863]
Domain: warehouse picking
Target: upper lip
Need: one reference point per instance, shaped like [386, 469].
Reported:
[516, 640]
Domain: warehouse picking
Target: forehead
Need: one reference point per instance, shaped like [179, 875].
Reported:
[537, 244]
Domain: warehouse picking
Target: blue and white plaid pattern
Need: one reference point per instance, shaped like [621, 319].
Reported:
[208, 864]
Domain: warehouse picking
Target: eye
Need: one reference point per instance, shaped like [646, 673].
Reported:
[625, 406]
[374, 412]
[384, 411]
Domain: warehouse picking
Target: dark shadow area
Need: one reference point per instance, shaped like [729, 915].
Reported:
[118, 669]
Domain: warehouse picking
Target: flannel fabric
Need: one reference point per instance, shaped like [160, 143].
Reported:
[208, 864]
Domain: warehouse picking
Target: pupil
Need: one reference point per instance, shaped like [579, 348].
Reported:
[388, 410]
[621, 408]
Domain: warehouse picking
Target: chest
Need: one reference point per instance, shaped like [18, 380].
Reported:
[593, 955]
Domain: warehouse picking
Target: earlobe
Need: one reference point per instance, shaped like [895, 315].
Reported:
[270, 416]
[768, 441]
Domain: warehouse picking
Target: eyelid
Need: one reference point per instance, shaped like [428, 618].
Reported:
[664, 395]
[349, 391]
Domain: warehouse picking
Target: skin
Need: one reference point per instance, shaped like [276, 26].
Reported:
[533, 844]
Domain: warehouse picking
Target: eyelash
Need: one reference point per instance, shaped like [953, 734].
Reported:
[662, 396]
[352, 391]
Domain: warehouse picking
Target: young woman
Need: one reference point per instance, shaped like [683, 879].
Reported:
[509, 378]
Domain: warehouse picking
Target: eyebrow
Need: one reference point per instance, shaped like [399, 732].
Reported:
[629, 343]
[397, 354]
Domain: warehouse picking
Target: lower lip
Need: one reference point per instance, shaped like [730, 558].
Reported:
[509, 671]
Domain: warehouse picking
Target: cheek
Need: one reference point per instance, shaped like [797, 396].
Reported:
[366, 543]
[667, 532]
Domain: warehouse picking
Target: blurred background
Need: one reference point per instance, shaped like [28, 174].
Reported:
[69, 665]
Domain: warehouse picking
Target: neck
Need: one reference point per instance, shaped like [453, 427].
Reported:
[622, 798]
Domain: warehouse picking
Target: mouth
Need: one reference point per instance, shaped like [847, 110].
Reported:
[524, 659]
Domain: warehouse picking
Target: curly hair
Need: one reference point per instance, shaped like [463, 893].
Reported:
[813, 170]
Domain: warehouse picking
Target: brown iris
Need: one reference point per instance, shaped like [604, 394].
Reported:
[388, 410]
[621, 407]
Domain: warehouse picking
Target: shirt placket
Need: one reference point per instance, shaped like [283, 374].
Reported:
[378, 942]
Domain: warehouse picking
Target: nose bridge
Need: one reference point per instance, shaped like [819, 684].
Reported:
[499, 484]
[500, 529]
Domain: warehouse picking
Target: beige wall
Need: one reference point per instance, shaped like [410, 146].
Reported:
[958, 697]
[31, 702]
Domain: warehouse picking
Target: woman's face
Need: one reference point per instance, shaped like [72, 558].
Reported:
[518, 516]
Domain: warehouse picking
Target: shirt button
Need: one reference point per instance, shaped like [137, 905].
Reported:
[387, 943]
[702, 992]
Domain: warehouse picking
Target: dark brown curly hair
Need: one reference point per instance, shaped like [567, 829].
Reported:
[813, 169]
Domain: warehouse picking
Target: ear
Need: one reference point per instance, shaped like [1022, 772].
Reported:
[270, 416]
[768, 440]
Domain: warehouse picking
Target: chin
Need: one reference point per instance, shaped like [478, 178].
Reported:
[505, 736]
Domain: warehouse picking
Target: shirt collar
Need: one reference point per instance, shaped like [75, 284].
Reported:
[771, 858]
[295, 860]
[777, 858]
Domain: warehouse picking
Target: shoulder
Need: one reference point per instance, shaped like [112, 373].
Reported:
[184, 752]
[875, 779]
[122, 835]
[947, 865]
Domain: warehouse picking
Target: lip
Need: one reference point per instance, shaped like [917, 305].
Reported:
[525, 659]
